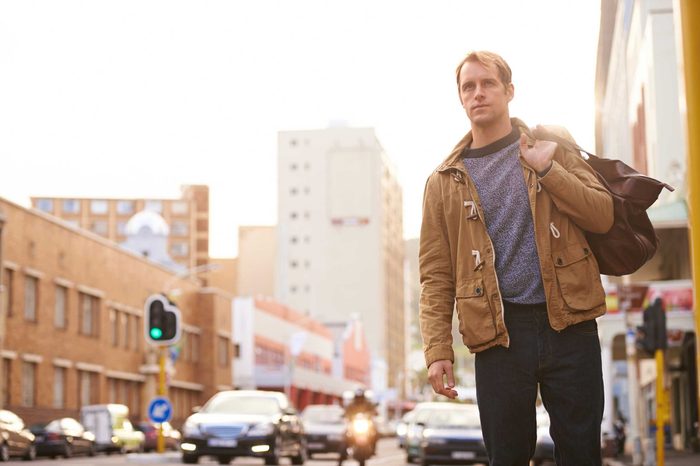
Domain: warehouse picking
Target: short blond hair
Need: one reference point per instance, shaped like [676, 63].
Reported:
[488, 59]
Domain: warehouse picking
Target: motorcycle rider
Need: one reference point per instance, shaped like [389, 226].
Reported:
[360, 404]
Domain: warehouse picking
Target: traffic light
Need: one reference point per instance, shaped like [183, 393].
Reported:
[651, 335]
[161, 321]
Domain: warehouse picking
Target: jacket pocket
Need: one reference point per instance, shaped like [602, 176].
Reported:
[476, 322]
[578, 277]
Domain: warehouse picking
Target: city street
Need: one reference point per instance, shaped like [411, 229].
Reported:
[388, 455]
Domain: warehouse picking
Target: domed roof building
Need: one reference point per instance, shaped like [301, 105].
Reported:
[147, 234]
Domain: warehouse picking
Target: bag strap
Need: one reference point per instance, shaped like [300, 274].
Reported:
[543, 133]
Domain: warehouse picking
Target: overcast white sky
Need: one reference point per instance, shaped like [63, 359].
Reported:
[136, 98]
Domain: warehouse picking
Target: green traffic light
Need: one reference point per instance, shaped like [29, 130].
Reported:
[156, 333]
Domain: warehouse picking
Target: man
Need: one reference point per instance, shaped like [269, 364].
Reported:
[503, 242]
[361, 405]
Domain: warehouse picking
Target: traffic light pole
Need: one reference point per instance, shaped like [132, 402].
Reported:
[161, 391]
[661, 405]
[688, 14]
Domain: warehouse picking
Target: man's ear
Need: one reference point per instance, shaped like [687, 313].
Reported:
[510, 91]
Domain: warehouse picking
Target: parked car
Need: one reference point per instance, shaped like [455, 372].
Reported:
[451, 434]
[112, 429]
[251, 423]
[413, 429]
[325, 429]
[544, 448]
[63, 437]
[17, 440]
[402, 427]
[171, 436]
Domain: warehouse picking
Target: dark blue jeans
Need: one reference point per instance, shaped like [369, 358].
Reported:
[567, 367]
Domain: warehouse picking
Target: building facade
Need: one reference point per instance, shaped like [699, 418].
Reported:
[72, 331]
[187, 218]
[340, 239]
[639, 121]
[278, 348]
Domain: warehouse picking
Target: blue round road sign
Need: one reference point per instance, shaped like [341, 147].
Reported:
[160, 409]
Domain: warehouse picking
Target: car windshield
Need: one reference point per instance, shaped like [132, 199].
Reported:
[242, 405]
[457, 418]
[323, 415]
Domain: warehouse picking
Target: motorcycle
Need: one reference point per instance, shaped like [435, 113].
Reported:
[362, 437]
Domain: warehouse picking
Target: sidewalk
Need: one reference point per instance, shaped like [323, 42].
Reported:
[671, 458]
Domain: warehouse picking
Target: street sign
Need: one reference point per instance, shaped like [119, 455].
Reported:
[160, 409]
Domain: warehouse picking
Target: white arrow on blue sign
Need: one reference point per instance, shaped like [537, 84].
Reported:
[160, 409]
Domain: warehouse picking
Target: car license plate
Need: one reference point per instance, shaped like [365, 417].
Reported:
[463, 455]
[222, 442]
[315, 445]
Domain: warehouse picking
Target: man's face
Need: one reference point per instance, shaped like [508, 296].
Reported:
[483, 95]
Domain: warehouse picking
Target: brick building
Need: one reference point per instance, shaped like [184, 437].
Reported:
[187, 217]
[71, 330]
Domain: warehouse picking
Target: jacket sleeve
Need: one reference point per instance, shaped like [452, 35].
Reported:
[576, 191]
[436, 277]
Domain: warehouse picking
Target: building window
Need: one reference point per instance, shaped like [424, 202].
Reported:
[179, 249]
[294, 239]
[6, 381]
[99, 206]
[195, 347]
[45, 205]
[59, 387]
[85, 388]
[179, 228]
[294, 264]
[293, 191]
[88, 315]
[60, 306]
[28, 383]
[125, 207]
[99, 227]
[223, 351]
[154, 205]
[121, 228]
[293, 215]
[237, 350]
[113, 327]
[8, 279]
[31, 298]
[307, 239]
[71, 206]
[125, 329]
[138, 335]
[307, 190]
[293, 288]
[179, 208]
[307, 215]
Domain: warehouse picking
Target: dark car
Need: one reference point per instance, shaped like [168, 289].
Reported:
[16, 439]
[324, 428]
[171, 436]
[451, 434]
[63, 437]
[251, 423]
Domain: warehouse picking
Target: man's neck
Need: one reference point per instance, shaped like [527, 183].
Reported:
[483, 136]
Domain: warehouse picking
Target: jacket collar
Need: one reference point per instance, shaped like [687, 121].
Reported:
[454, 160]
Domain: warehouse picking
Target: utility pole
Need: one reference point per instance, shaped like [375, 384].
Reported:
[688, 33]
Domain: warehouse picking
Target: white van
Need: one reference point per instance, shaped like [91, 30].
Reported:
[112, 428]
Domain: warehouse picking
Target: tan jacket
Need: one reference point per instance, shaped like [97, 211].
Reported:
[565, 202]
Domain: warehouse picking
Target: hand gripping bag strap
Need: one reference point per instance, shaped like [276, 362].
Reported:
[631, 241]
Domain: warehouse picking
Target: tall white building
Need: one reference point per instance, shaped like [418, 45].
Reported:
[340, 238]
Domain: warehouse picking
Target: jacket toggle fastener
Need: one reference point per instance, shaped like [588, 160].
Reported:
[457, 176]
[478, 263]
[472, 210]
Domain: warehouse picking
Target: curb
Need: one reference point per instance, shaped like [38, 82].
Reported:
[153, 458]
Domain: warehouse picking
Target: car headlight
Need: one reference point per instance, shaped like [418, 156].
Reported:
[191, 429]
[261, 429]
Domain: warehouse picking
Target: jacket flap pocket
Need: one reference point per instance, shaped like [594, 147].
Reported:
[570, 255]
[470, 288]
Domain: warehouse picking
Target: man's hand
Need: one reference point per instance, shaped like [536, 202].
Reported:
[437, 372]
[539, 156]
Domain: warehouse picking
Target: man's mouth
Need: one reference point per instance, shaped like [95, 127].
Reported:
[476, 107]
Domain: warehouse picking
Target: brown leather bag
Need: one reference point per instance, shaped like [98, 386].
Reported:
[631, 241]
